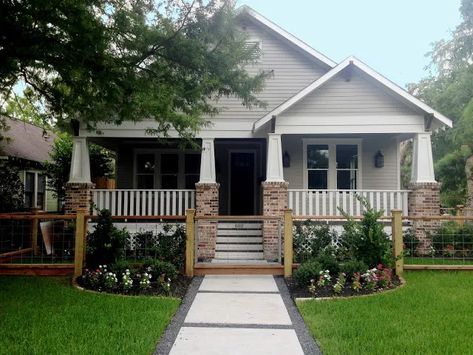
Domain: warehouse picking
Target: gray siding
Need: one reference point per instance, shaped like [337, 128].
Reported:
[385, 178]
[292, 71]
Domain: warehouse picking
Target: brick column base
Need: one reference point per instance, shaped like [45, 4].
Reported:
[78, 197]
[274, 204]
[206, 204]
[424, 200]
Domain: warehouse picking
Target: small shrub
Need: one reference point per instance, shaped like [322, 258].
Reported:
[324, 278]
[307, 271]
[351, 267]
[452, 239]
[339, 284]
[157, 268]
[106, 244]
[328, 262]
[411, 242]
[356, 283]
[366, 240]
[120, 267]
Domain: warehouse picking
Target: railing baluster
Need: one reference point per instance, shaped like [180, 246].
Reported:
[119, 202]
[324, 203]
[132, 203]
[297, 204]
[168, 203]
[304, 202]
[330, 203]
[125, 203]
[173, 193]
[179, 208]
[310, 195]
[161, 203]
[186, 201]
[114, 203]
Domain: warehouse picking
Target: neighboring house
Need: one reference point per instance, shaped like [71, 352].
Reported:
[27, 147]
[330, 131]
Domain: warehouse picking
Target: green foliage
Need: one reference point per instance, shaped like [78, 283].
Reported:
[119, 267]
[350, 267]
[307, 271]
[171, 245]
[11, 189]
[411, 242]
[59, 165]
[452, 239]
[111, 61]
[366, 240]
[310, 239]
[328, 262]
[158, 268]
[106, 244]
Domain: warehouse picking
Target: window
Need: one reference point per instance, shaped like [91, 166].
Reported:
[332, 165]
[171, 169]
[35, 190]
[256, 46]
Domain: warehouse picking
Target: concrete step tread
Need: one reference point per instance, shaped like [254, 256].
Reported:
[239, 247]
[238, 255]
[246, 240]
[240, 232]
[239, 225]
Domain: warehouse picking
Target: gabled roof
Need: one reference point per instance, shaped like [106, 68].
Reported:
[244, 9]
[365, 69]
[26, 141]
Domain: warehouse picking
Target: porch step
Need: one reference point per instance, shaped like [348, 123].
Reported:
[244, 232]
[239, 240]
[239, 247]
[238, 255]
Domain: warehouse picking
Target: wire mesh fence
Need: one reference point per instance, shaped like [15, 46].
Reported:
[36, 239]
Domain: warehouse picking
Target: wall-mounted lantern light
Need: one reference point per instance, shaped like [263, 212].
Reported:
[379, 160]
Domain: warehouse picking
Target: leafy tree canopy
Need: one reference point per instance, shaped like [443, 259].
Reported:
[116, 60]
[449, 89]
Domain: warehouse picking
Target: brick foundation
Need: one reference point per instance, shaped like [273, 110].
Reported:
[206, 204]
[78, 197]
[274, 204]
[424, 200]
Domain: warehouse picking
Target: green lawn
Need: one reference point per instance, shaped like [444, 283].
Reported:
[432, 314]
[409, 260]
[48, 316]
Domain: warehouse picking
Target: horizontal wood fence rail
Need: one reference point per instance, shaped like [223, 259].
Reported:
[141, 218]
[329, 202]
[333, 218]
[238, 218]
[139, 202]
[6, 216]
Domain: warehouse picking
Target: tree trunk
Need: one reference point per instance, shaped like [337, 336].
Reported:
[469, 186]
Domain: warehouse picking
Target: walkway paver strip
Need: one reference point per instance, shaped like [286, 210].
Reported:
[238, 314]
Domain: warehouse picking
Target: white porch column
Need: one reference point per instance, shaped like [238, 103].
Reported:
[274, 167]
[207, 162]
[422, 162]
[80, 162]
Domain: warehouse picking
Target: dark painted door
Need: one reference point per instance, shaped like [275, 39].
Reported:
[242, 183]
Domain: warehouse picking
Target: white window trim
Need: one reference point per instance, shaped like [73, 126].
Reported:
[181, 175]
[35, 192]
[332, 171]
[259, 42]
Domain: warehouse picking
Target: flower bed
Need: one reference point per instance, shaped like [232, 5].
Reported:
[146, 280]
[372, 281]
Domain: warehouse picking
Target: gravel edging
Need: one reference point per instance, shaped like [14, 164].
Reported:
[308, 344]
[170, 334]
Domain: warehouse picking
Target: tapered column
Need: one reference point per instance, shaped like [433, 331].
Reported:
[274, 198]
[422, 161]
[78, 195]
[206, 202]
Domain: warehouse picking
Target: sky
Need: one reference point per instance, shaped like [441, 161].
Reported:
[391, 36]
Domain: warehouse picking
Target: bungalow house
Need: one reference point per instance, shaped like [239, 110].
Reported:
[330, 131]
[27, 147]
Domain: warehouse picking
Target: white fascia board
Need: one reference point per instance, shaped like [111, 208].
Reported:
[288, 36]
[367, 70]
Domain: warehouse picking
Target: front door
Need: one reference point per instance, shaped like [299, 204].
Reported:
[242, 183]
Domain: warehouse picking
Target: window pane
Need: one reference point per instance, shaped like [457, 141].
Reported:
[40, 200]
[41, 183]
[317, 179]
[28, 199]
[29, 182]
[317, 156]
[145, 182]
[347, 156]
[169, 163]
[191, 180]
[169, 181]
[192, 164]
[145, 163]
[346, 179]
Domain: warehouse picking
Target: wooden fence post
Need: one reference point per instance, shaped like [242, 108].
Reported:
[34, 233]
[79, 244]
[398, 244]
[460, 213]
[288, 243]
[190, 213]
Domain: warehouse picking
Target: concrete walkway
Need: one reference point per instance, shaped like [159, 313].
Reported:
[241, 315]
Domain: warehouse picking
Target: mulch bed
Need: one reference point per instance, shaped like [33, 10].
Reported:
[178, 288]
[327, 291]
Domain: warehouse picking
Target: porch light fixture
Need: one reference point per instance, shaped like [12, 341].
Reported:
[286, 160]
[379, 160]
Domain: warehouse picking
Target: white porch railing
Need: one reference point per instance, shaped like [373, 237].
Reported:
[327, 202]
[144, 202]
